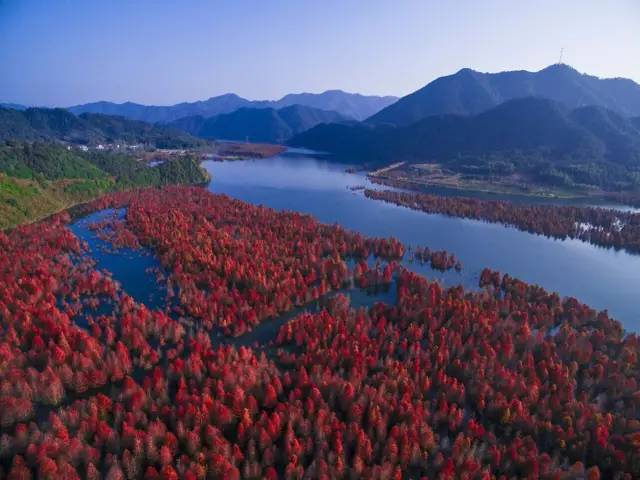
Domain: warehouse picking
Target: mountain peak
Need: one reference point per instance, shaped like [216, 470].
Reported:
[265, 124]
[559, 68]
[469, 92]
[336, 91]
[467, 71]
[541, 129]
[353, 105]
[225, 95]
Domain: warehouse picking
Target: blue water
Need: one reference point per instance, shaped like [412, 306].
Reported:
[602, 278]
[266, 331]
[133, 269]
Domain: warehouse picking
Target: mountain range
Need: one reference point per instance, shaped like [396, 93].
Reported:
[14, 106]
[535, 130]
[352, 105]
[469, 92]
[258, 124]
[57, 124]
[556, 116]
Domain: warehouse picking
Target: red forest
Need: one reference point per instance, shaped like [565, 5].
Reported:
[438, 259]
[599, 226]
[507, 382]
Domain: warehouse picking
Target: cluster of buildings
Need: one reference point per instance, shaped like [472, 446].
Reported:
[107, 146]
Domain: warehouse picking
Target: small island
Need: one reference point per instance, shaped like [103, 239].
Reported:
[230, 151]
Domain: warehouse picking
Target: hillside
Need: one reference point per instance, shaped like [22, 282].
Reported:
[588, 145]
[43, 124]
[49, 162]
[37, 179]
[351, 105]
[469, 92]
[258, 124]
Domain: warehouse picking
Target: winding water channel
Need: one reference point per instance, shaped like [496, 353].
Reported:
[602, 278]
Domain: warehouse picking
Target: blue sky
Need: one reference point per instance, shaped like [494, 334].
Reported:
[63, 52]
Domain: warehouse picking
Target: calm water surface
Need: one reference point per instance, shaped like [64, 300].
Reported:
[602, 278]
[133, 269]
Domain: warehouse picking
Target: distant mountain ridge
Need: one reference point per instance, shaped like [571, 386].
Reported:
[258, 124]
[57, 124]
[14, 106]
[163, 114]
[351, 105]
[539, 128]
[469, 92]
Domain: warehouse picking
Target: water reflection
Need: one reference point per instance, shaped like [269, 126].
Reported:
[133, 269]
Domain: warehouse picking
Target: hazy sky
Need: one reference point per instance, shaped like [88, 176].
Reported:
[63, 52]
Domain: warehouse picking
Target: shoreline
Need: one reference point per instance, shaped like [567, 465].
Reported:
[238, 151]
[613, 198]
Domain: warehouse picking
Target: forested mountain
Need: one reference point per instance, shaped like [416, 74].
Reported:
[61, 125]
[468, 92]
[535, 132]
[258, 124]
[351, 105]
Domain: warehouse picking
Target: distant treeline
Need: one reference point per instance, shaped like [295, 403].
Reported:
[599, 226]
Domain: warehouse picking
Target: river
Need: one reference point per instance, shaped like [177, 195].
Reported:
[602, 278]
